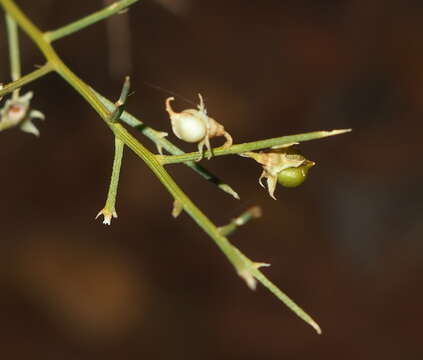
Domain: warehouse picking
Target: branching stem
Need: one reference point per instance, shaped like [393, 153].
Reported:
[246, 268]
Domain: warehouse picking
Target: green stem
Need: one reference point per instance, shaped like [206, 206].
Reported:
[109, 209]
[244, 266]
[120, 104]
[14, 55]
[251, 213]
[282, 296]
[157, 138]
[87, 20]
[117, 162]
[36, 74]
[254, 145]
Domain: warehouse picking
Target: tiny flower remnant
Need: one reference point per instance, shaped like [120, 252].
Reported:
[17, 112]
[283, 165]
[108, 215]
[195, 126]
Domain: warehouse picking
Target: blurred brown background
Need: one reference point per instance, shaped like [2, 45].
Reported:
[346, 245]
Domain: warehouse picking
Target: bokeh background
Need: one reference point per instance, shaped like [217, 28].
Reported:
[347, 245]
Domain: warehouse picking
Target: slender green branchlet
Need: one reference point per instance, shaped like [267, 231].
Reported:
[252, 213]
[14, 54]
[120, 104]
[86, 21]
[254, 145]
[36, 74]
[109, 209]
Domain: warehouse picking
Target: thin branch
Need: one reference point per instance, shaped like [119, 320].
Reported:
[254, 145]
[36, 74]
[120, 104]
[251, 213]
[109, 209]
[14, 54]
[86, 21]
[282, 296]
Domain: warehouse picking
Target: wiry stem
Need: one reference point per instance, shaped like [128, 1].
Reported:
[254, 145]
[36, 74]
[251, 213]
[120, 104]
[109, 210]
[87, 20]
[14, 54]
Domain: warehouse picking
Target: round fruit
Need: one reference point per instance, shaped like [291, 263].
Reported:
[293, 177]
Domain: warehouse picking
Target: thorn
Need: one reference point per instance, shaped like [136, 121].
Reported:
[258, 265]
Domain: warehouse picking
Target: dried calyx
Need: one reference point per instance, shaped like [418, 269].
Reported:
[195, 126]
[281, 164]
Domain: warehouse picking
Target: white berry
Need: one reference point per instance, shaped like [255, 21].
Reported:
[189, 126]
[195, 126]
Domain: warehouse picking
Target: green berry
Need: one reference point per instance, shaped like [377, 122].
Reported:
[293, 177]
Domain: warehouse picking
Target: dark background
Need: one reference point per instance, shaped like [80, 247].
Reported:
[346, 245]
